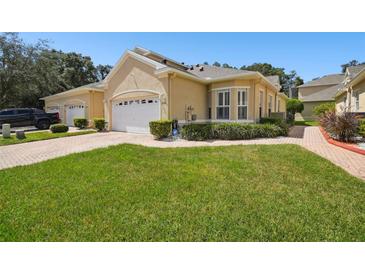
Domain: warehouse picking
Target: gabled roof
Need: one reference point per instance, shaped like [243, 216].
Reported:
[99, 86]
[202, 73]
[327, 94]
[150, 54]
[331, 79]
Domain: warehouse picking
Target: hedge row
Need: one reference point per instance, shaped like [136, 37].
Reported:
[231, 131]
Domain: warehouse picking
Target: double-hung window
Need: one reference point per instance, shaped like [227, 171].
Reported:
[223, 103]
[357, 100]
[270, 104]
[242, 104]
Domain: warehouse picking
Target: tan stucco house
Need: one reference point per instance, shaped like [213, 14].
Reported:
[145, 86]
[316, 92]
[351, 96]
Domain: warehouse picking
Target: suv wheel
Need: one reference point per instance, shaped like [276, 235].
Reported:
[43, 124]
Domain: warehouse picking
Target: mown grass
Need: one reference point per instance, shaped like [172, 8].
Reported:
[38, 136]
[134, 193]
[307, 123]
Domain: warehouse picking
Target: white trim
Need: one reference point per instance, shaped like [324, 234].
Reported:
[134, 90]
[238, 87]
[245, 90]
[223, 91]
[141, 58]
[215, 121]
[79, 90]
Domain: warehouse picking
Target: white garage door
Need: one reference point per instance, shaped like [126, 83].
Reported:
[74, 111]
[135, 115]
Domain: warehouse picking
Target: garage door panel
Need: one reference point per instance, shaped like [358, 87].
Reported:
[135, 115]
[74, 111]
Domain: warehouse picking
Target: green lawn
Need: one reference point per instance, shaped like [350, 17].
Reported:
[134, 193]
[38, 136]
[306, 123]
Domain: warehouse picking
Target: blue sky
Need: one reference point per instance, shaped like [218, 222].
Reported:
[310, 54]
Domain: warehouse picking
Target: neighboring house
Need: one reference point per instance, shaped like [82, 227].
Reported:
[316, 92]
[145, 86]
[351, 96]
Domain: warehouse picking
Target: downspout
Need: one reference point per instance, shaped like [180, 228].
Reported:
[169, 95]
[254, 101]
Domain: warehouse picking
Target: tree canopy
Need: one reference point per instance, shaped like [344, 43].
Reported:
[287, 80]
[351, 64]
[31, 71]
[294, 106]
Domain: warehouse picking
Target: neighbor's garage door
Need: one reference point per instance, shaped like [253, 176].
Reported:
[135, 115]
[74, 111]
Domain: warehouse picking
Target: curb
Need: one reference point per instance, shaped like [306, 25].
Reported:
[340, 144]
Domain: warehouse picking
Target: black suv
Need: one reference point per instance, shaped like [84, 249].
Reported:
[18, 117]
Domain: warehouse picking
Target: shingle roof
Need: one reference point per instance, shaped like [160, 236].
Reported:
[275, 79]
[207, 71]
[331, 79]
[212, 72]
[355, 70]
[327, 94]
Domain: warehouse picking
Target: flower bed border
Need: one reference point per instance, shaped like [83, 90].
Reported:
[340, 144]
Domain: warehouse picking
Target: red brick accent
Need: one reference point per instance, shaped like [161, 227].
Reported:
[341, 144]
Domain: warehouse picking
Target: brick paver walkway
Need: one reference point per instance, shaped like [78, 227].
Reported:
[308, 137]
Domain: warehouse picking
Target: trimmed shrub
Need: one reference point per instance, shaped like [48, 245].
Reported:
[323, 108]
[270, 120]
[80, 123]
[58, 128]
[161, 129]
[362, 127]
[343, 127]
[197, 132]
[99, 124]
[231, 131]
[279, 122]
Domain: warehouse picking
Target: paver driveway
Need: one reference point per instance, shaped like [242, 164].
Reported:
[308, 137]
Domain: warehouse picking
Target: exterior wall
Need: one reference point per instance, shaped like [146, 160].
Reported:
[185, 93]
[135, 79]
[64, 101]
[254, 87]
[234, 86]
[96, 104]
[307, 113]
[360, 88]
[340, 105]
[305, 91]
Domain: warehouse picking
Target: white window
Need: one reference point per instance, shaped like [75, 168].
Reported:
[242, 104]
[223, 103]
[357, 100]
[270, 104]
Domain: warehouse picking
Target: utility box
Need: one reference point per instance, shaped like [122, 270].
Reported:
[6, 130]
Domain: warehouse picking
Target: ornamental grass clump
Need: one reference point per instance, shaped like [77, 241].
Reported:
[343, 127]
